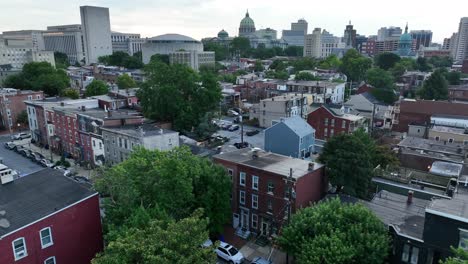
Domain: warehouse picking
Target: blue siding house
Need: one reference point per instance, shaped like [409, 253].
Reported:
[291, 136]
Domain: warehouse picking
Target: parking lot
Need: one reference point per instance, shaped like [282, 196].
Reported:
[235, 136]
[15, 161]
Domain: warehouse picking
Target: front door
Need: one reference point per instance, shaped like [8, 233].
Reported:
[245, 219]
[265, 227]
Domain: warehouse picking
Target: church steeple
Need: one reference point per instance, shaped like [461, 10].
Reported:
[406, 28]
[247, 13]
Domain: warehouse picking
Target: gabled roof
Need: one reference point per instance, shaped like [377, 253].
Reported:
[297, 125]
[38, 195]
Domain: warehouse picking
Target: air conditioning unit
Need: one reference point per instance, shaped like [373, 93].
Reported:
[6, 178]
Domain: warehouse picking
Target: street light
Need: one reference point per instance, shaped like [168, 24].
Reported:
[19, 127]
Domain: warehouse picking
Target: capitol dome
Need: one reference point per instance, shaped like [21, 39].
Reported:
[247, 26]
[405, 43]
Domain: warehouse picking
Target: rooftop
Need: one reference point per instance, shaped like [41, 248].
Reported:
[109, 115]
[393, 209]
[456, 208]
[35, 196]
[432, 146]
[144, 130]
[283, 98]
[270, 162]
[447, 129]
[172, 38]
[326, 84]
[298, 125]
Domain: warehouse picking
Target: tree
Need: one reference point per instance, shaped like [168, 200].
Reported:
[453, 77]
[304, 63]
[124, 81]
[161, 58]
[122, 59]
[242, 45]
[278, 65]
[460, 256]
[348, 163]
[61, 60]
[305, 76]
[177, 94]
[221, 52]
[423, 65]
[258, 67]
[332, 232]
[161, 242]
[355, 65]
[386, 60]
[439, 62]
[435, 87]
[96, 87]
[199, 184]
[383, 83]
[332, 62]
[71, 93]
[22, 118]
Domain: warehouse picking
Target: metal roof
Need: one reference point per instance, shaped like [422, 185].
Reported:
[172, 38]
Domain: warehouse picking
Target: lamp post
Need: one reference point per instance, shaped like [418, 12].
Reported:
[19, 127]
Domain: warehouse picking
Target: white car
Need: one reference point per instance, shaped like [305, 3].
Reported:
[66, 172]
[20, 136]
[229, 253]
[47, 163]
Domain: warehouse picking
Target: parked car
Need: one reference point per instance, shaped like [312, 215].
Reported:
[27, 153]
[240, 145]
[234, 128]
[232, 113]
[252, 133]
[47, 163]
[229, 253]
[37, 157]
[260, 260]
[66, 172]
[10, 145]
[19, 148]
[226, 126]
[81, 179]
[20, 136]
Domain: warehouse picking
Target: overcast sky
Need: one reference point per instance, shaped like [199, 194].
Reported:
[204, 18]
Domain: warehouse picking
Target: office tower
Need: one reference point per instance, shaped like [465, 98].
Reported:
[422, 37]
[461, 49]
[95, 23]
[66, 39]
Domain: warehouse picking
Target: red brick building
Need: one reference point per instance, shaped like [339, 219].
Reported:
[260, 189]
[420, 111]
[48, 218]
[458, 92]
[328, 121]
[12, 104]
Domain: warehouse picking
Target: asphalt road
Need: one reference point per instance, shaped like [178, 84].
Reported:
[13, 160]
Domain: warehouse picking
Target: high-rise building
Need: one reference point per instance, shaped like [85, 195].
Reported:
[66, 39]
[95, 23]
[422, 37]
[321, 44]
[33, 36]
[461, 49]
[17, 52]
[295, 36]
[126, 42]
[312, 43]
[385, 33]
[349, 37]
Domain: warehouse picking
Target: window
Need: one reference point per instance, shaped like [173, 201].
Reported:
[450, 140]
[271, 187]
[19, 248]
[343, 124]
[270, 206]
[332, 132]
[254, 201]
[255, 182]
[241, 197]
[254, 221]
[326, 121]
[333, 122]
[325, 132]
[410, 254]
[120, 142]
[414, 255]
[50, 260]
[463, 241]
[242, 179]
[46, 237]
[405, 254]
[437, 138]
[94, 143]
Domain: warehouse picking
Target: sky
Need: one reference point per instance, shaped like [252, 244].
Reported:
[205, 18]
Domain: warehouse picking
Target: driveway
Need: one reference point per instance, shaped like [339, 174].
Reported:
[15, 161]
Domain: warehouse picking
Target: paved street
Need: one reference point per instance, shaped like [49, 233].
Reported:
[13, 160]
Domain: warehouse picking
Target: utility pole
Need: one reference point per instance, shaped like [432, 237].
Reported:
[241, 121]
[289, 183]
[371, 125]
[302, 101]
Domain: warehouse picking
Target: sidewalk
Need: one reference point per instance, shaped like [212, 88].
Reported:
[252, 250]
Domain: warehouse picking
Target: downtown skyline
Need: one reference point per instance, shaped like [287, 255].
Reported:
[201, 19]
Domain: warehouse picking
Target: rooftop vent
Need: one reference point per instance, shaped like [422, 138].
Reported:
[410, 197]
[311, 166]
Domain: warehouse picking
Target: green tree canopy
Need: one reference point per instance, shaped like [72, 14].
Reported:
[453, 77]
[435, 87]
[460, 256]
[386, 60]
[221, 51]
[304, 63]
[258, 67]
[124, 81]
[332, 62]
[121, 59]
[278, 65]
[71, 93]
[61, 60]
[439, 62]
[242, 45]
[305, 76]
[422, 64]
[22, 118]
[331, 232]
[161, 242]
[141, 182]
[384, 85]
[294, 51]
[39, 76]
[177, 94]
[355, 66]
[96, 87]
[161, 58]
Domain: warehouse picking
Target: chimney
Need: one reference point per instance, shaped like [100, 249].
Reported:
[62, 104]
[109, 113]
[410, 197]
[311, 166]
[254, 153]
[83, 108]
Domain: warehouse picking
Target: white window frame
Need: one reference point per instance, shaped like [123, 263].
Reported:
[254, 221]
[48, 259]
[255, 181]
[254, 201]
[463, 239]
[242, 177]
[272, 187]
[24, 246]
[50, 235]
[242, 197]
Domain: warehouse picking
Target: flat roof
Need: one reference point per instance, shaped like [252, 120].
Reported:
[33, 197]
[456, 208]
[270, 162]
[447, 169]
[144, 130]
[432, 146]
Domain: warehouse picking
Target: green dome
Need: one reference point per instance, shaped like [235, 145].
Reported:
[247, 21]
[223, 34]
[406, 37]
